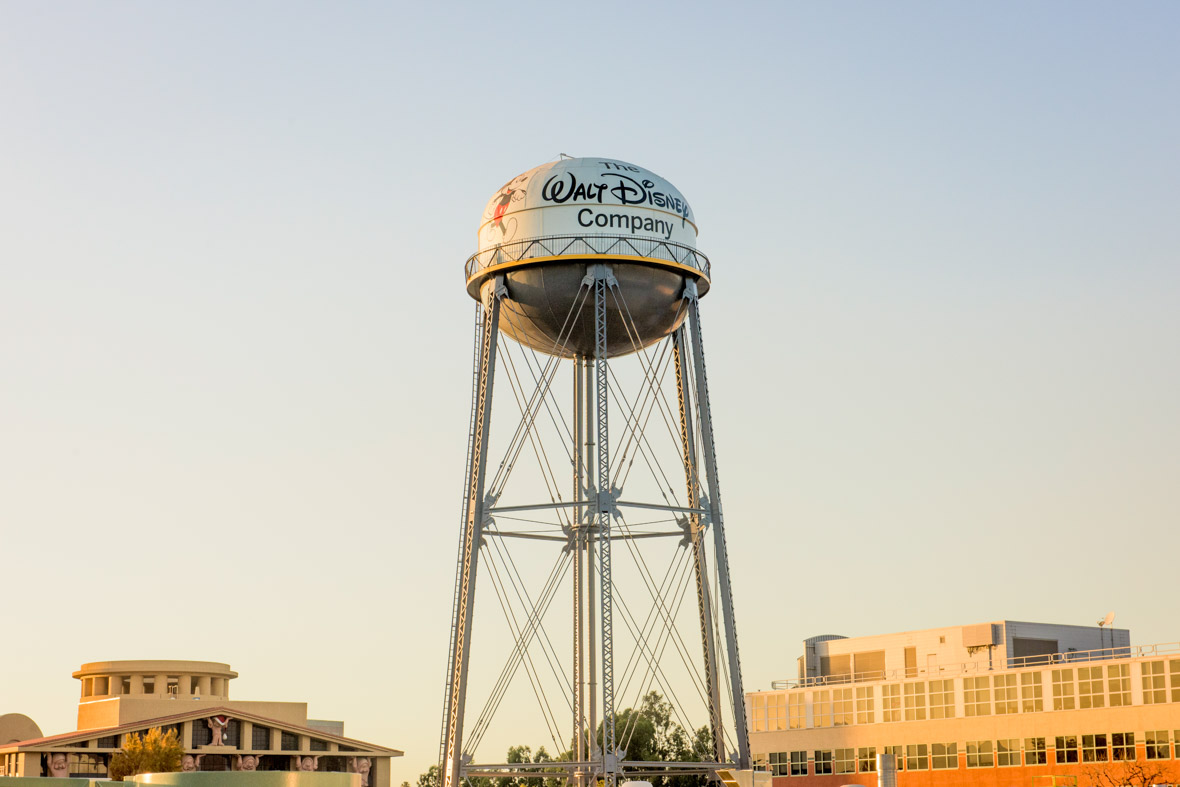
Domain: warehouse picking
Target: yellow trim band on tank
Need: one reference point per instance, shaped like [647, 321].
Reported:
[473, 283]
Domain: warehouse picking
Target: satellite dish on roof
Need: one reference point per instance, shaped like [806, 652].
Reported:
[1106, 621]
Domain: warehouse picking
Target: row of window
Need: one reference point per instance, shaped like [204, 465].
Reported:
[1099, 747]
[1069, 688]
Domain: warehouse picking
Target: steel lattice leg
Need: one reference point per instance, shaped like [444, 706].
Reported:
[718, 524]
[696, 534]
[452, 764]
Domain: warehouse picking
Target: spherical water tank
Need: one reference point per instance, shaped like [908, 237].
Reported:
[544, 228]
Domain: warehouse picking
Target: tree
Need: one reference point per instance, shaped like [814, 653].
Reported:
[1133, 773]
[152, 752]
[430, 778]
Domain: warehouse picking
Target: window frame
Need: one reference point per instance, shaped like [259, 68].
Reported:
[1095, 747]
[977, 699]
[981, 754]
[948, 756]
[1008, 752]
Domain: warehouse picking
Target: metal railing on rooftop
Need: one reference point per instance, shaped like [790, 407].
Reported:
[973, 667]
[586, 245]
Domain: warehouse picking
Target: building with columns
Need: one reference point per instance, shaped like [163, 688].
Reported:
[218, 734]
[999, 703]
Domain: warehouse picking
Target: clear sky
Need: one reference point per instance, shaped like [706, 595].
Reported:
[943, 335]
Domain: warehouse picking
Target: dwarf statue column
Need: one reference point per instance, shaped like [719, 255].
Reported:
[58, 765]
[361, 765]
[218, 724]
[306, 762]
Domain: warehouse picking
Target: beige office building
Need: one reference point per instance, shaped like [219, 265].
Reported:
[1000, 703]
[192, 698]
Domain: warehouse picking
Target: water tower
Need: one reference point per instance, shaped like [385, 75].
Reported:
[589, 265]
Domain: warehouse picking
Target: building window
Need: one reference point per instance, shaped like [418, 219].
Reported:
[866, 758]
[1119, 684]
[1066, 748]
[1122, 746]
[769, 712]
[776, 712]
[1157, 744]
[149, 685]
[232, 735]
[979, 754]
[821, 709]
[797, 711]
[1030, 692]
[823, 762]
[1008, 752]
[844, 761]
[798, 763]
[87, 765]
[318, 745]
[976, 696]
[1034, 751]
[898, 756]
[944, 756]
[1174, 668]
[758, 712]
[842, 705]
[1091, 693]
[1155, 690]
[260, 738]
[290, 741]
[915, 701]
[109, 742]
[917, 757]
[942, 699]
[1094, 748]
[780, 763]
[1063, 689]
[1005, 687]
[864, 704]
[202, 734]
[891, 702]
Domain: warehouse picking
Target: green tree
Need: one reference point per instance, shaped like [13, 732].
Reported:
[649, 733]
[430, 778]
[153, 752]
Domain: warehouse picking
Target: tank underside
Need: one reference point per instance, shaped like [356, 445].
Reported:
[539, 311]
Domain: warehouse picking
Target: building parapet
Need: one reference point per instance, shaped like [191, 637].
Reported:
[969, 668]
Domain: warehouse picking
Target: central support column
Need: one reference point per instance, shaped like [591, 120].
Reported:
[603, 281]
[578, 544]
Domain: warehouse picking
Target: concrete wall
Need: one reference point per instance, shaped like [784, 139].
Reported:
[252, 779]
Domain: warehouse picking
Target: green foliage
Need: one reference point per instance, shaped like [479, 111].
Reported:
[431, 778]
[650, 733]
[153, 752]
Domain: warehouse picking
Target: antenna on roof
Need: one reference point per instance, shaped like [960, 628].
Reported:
[1102, 624]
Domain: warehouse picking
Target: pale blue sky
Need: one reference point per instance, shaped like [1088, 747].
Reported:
[943, 333]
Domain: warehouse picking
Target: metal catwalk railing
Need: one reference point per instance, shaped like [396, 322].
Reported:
[972, 667]
[589, 245]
